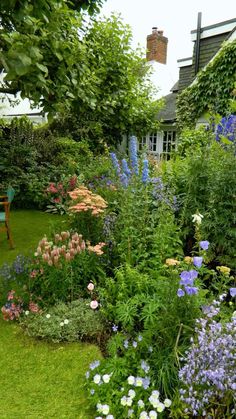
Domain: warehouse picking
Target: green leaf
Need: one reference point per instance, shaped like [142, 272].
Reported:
[42, 68]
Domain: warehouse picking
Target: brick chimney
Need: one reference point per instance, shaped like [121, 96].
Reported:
[157, 46]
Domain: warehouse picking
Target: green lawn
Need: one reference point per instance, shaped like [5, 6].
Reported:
[39, 380]
[42, 381]
[27, 227]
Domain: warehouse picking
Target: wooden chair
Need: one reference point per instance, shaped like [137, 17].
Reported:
[5, 202]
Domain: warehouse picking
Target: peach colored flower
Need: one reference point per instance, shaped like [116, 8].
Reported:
[172, 262]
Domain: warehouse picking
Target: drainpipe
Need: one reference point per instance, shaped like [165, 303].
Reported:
[197, 50]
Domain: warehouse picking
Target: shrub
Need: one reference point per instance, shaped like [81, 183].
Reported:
[65, 322]
[205, 181]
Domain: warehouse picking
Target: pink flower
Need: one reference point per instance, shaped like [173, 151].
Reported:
[33, 274]
[90, 286]
[94, 304]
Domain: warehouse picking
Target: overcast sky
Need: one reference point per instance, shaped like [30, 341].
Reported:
[176, 18]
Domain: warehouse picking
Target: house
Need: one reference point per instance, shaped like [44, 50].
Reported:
[19, 107]
[208, 41]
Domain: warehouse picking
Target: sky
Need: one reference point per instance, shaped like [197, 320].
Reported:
[176, 18]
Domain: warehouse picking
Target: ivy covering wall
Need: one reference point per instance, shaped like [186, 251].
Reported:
[212, 90]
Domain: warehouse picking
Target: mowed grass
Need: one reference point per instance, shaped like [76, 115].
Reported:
[40, 380]
[27, 227]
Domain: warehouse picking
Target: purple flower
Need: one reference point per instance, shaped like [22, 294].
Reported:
[133, 154]
[114, 328]
[204, 244]
[145, 171]
[180, 292]
[125, 167]
[146, 383]
[115, 163]
[94, 365]
[191, 290]
[186, 278]
[134, 344]
[197, 261]
[126, 343]
[232, 292]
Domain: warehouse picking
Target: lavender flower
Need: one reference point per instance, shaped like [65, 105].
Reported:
[94, 365]
[145, 172]
[226, 128]
[115, 328]
[232, 292]
[124, 180]
[133, 154]
[197, 261]
[210, 364]
[180, 292]
[115, 163]
[204, 244]
[125, 167]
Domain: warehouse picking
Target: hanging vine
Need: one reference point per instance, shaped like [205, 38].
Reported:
[212, 90]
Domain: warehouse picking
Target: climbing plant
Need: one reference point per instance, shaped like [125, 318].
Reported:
[212, 90]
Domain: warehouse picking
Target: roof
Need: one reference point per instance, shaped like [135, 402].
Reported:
[168, 112]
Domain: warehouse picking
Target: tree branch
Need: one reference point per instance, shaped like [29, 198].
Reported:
[9, 91]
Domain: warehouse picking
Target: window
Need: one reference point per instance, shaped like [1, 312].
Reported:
[169, 143]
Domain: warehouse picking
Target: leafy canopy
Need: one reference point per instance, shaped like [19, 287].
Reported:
[41, 50]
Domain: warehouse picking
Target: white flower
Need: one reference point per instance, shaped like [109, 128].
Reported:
[197, 218]
[140, 403]
[131, 380]
[154, 401]
[98, 417]
[131, 393]
[129, 401]
[27, 312]
[48, 316]
[110, 417]
[156, 394]
[143, 415]
[62, 324]
[97, 378]
[105, 409]
[139, 382]
[123, 401]
[99, 407]
[167, 402]
[66, 321]
[106, 378]
[152, 414]
[160, 407]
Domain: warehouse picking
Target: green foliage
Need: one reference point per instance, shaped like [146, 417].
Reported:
[31, 158]
[65, 281]
[205, 181]
[148, 304]
[41, 51]
[119, 95]
[65, 322]
[212, 90]
[145, 232]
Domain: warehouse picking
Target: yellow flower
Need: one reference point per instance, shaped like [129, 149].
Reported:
[188, 259]
[224, 270]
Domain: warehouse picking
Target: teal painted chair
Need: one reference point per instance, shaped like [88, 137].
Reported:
[5, 203]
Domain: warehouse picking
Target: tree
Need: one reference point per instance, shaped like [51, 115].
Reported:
[41, 50]
[119, 95]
